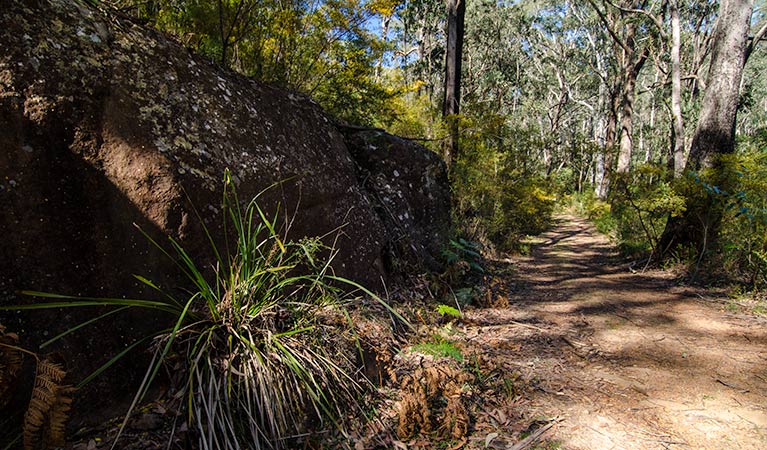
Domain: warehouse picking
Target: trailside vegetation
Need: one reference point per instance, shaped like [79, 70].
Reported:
[650, 115]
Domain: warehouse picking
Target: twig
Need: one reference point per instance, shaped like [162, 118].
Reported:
[714, 300]
[666, 443]
[627, 319]
[514, 322]
[576, 349]
[525, 325]
[534, 437]
[731, 386]
[351, 127]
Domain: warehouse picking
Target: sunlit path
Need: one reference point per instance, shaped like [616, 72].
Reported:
[626, 360]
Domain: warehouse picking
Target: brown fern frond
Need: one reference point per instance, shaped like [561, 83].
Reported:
[10, 364]
[46, 416]
[432, 401]
[58, 416]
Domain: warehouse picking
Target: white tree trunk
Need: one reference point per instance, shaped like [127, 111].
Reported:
[676, 90]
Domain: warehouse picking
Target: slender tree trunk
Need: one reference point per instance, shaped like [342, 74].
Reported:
[611, 133]
[715, 134]
[600, 130]
[676, 90]
[631, 74]
[222, 34]
[456, 10]
[385, 21]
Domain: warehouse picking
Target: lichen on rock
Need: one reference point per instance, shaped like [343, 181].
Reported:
[107, 124]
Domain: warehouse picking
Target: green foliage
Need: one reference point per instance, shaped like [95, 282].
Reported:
[460, 250]
[260, 359]
[641, 203]
[742, 241]
[498, 192]
[439, 347]
[637, 211]
[462, 296]
[448, 311]
[414, 114]
[597, 211]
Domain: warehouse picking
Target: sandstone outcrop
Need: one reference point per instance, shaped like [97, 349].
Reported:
[105, 123]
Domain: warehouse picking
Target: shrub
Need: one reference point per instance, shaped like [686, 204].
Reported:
[498, 197]
[742, 240]
[597, 211]
[641, 203]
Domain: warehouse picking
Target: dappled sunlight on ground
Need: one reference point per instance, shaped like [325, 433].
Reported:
[626, 359]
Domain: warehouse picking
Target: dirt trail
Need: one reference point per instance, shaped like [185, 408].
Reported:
[626, 360]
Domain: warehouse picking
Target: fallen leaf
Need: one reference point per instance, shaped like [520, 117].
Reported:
[490, 438]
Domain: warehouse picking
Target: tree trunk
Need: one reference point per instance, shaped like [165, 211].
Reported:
[610, 136]
[631, 73]
[456, 10]
[715, 134]
[676, 90]
[385, 21]
[222, 34]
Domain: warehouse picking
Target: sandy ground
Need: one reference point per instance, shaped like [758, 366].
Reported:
[624, 360]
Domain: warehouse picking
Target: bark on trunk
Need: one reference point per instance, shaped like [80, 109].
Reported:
[456, 10]
[631, 73]
[676, 90]
[611, 133]
[715, 133]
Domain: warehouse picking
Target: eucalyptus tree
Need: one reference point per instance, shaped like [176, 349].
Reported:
[628, 26]
[715, 132]
[420, 44]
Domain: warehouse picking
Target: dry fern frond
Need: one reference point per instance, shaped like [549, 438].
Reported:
[433, 398]
[46, 416]
[10, 364]
[58, 416]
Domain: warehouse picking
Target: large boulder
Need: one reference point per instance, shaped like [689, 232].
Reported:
[408, 195]
[105, 124]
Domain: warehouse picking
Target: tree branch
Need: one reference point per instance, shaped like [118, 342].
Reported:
[658, 23]
[610, 30]
[755, 40]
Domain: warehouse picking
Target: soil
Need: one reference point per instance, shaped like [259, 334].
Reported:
[617, 358]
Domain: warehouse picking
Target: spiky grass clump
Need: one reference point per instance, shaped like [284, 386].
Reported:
[262, 365]
[264, 334]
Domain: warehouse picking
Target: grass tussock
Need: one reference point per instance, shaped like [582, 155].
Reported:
[265, 339]
[268, 349]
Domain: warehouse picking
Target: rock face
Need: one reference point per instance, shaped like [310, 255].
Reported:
[105, 124]
[408, 195]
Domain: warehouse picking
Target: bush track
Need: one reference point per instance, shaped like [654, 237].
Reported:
[627, 360]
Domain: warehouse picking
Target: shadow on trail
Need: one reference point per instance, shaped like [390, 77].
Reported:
[579, 270]
[588, 334]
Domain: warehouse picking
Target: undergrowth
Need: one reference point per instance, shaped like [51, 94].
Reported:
[439, 347]
[636, 212]
[734, 222]
[264, 334]
[498, 198]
